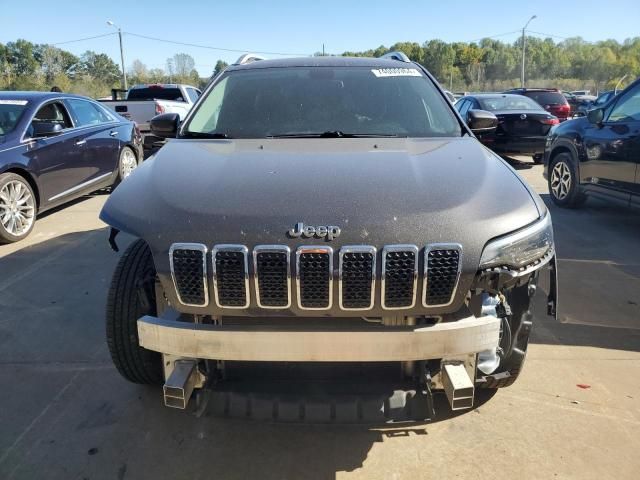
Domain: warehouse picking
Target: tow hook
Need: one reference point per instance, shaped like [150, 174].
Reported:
[424, 386]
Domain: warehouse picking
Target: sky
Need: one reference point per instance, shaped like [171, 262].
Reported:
[298, 27]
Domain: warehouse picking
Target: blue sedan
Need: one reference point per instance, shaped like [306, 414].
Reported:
[54, 148]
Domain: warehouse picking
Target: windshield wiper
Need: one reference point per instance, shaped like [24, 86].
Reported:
[331, 134]
[205, 135]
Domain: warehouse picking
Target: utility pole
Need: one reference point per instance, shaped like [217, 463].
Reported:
[124, 73]
[323, 49]
[523, 49]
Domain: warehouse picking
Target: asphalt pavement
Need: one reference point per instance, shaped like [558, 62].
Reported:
[65, 413]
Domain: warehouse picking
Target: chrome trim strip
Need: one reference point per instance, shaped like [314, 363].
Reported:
[227, 247]
[272, 248]
[314, 249]
[80, 187]
[399, 248]
[191, 246]
[357, 249]
[425, 278]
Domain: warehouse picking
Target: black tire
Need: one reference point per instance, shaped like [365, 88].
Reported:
[538, 158]
[514, 341]
[132, 295]
[125, 155]
[6, 236]
[572, 196]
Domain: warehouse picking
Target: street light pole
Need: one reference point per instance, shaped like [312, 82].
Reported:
[523, 49]
[124, 73]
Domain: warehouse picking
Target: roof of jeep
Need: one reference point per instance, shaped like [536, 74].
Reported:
[324, 62]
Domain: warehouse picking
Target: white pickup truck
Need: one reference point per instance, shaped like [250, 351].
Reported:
[143, 102]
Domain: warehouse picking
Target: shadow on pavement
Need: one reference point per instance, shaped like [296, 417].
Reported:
[518, 164]
[599, 278]
[104, 191]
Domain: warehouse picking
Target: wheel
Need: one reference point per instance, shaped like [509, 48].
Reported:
[564, 183]
[132, 295]
[17, 208]
[514, 340]
[127, 163]
[538, 158]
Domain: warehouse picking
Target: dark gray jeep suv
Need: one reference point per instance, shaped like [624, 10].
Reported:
[329, 211]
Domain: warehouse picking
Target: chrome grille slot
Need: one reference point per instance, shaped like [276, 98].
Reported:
[357, 271]
[188, 262]
[442, 265]
[314, 267]
[231, 276]
[399, 276]
[271, 264]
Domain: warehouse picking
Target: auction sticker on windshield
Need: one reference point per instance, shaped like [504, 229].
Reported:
[395, 72]
[13, 102]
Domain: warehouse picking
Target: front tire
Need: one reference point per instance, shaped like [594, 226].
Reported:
[127, 163]
[132, 295]
[17, 208]
[564, 182]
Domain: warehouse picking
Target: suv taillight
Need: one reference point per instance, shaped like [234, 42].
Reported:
[159, 109]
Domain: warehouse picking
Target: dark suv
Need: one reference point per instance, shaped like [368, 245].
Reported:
[333, 211]
[598, 154]
[551, 99]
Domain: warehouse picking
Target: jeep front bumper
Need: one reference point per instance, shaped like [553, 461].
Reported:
[368, 343]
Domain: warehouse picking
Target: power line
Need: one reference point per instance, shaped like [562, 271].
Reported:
[548, 34]
[85, 38]
[210, 47]
[493, 36]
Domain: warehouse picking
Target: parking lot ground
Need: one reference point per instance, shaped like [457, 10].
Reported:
[65, 413]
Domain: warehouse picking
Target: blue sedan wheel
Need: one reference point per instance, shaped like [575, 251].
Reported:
[17, 208]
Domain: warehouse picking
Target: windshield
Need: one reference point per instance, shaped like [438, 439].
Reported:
[10, 113]
[511, 102]
[266, 102]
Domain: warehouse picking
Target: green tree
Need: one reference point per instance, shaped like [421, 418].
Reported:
[99, 67]
[220, 66]
[181, 67]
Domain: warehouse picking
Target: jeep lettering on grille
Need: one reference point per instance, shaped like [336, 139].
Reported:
[329, 232]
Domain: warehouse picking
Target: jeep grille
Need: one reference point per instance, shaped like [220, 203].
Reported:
[189, 270]
[442, 266]
[402, 267]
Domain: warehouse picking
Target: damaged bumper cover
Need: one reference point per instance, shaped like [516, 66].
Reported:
[311, 344]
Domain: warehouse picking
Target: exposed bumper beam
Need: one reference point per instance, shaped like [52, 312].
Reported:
[279, 344]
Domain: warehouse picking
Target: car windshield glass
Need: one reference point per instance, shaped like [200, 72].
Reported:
[547, 98]
[156, 93]
[511, 102]
[10, 113]
[342, 102]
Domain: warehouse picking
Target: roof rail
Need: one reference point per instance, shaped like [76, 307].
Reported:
[398, 55]
[248, 58]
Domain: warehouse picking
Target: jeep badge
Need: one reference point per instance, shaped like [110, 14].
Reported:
[328, 232]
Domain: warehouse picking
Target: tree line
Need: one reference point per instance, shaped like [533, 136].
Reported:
[28, 66]
[492, 65]
[487, 65]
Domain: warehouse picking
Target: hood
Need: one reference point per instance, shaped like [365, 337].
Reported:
[377, 191]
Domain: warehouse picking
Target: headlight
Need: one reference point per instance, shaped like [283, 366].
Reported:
[522, 248]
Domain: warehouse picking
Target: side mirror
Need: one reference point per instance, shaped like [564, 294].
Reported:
[45, 129]
[165, 125]
[595, 116]
[481, 121]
